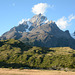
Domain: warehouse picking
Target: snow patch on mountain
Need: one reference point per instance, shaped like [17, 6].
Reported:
[29, 25]
[46, 21]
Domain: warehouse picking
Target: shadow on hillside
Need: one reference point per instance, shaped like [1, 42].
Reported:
[1, 43]
[17, 66]
[13, 65]
[58, 44]
[46, 50]
[21, 45]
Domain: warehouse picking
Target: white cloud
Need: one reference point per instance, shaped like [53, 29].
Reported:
[71, 17]
[63, 22]
[40, 8]
[20, 22]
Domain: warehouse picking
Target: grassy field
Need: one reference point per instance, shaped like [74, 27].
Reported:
[4, 71]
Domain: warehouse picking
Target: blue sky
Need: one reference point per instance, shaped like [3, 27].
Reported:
[60, 11]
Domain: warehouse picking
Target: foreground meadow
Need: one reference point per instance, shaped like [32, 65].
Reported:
[4, 71]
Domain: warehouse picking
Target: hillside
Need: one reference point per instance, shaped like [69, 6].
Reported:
[16, 54]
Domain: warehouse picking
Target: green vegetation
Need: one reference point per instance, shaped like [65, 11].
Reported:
[15, 54]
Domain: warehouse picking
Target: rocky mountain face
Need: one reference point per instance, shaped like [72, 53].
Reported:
[39, 31]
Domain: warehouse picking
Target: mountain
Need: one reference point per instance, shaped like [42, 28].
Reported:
[73, 35]
[38, 31]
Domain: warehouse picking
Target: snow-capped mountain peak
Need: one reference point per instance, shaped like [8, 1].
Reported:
[38, 19]
[35, 21]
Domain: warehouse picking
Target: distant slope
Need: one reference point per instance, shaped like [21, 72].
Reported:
[16, 54]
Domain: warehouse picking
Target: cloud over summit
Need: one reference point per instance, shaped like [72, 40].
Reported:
[40, 8]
